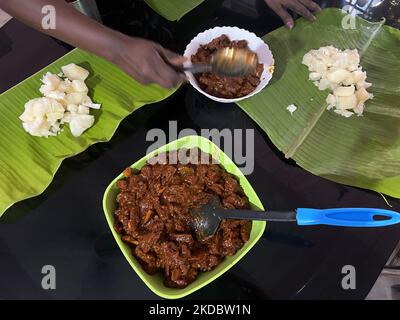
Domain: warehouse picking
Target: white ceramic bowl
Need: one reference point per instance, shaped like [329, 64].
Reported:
[255, 44]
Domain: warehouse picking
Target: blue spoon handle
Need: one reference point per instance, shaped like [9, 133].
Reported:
[347, 217]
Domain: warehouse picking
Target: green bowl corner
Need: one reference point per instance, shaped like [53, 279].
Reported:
[155, 282]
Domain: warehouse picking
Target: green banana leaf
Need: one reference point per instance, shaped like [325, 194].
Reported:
[358, 151]
[173, 10]
[27, 163]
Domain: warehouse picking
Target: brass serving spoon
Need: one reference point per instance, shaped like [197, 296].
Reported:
[230, 62]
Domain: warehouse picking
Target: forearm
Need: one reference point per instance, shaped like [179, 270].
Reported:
[71, 26]
[144, 60]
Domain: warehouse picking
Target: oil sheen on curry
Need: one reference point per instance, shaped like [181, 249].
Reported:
[153, 216]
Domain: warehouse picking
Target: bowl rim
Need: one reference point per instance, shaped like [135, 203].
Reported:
[192, 79]
[171, 146]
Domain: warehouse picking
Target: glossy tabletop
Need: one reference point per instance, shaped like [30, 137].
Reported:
[65, 227]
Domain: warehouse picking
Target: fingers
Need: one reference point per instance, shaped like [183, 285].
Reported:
[150, 63]
[142, 79]
[171, 57]
[302, 7]
[170, 76]
[167, 77]
[177, 61]
[311, 5]
[155, 70]
[298, 7]
[284, 15]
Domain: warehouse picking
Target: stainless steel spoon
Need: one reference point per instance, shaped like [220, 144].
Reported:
[230, 62]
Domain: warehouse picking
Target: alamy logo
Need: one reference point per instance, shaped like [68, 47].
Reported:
[349, 280]
[237, 144]
[49, 280]
[49, 18]
[349, 20]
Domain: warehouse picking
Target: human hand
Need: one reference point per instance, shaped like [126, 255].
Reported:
[302, 7]
[144, 60]
[147, 61]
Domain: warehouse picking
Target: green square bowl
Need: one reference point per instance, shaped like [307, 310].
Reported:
[155, 282]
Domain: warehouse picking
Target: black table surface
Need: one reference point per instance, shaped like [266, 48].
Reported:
[65, 226]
